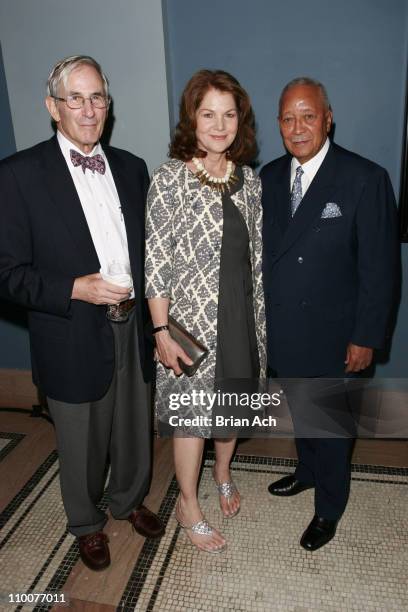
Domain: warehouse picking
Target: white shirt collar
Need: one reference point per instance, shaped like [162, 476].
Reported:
[311, 167]
[66, 145]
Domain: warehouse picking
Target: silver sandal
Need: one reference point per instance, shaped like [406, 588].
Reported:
[202, 528]
[227, 490]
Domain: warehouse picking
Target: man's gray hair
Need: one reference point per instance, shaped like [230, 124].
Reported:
[63, 69]
[306, 81]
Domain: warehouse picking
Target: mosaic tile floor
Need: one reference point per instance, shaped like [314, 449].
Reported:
[264, 569]
[31, 548]
[36, 555]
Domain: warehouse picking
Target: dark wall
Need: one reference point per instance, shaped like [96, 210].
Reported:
[14, 346]
[357, 49]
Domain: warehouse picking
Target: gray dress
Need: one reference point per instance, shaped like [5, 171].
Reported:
[237, 362]
[237, 352]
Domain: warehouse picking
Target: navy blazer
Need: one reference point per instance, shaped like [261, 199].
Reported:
[45, 243]
[328, 281]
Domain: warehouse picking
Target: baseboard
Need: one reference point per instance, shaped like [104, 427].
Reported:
[17, 389]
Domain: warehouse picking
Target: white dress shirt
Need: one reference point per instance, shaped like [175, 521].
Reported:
[101, 205]
[309, 168]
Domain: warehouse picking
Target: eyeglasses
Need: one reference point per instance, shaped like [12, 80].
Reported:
[76, 101]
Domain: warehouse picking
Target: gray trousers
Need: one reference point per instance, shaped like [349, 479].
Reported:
[116, 428]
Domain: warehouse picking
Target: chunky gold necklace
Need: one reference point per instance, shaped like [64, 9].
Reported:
[219, 184]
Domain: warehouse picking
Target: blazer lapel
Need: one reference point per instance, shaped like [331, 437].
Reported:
[64, 195]
[312, 204]
[283, 197]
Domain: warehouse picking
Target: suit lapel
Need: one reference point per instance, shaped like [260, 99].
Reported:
[62, 190]
[312, 204]
[283, 196]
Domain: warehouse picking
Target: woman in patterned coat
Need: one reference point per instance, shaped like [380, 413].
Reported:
[203, 266]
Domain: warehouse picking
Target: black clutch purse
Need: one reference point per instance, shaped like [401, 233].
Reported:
[190, 345]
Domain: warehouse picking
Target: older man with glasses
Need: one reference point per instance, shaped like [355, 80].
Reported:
[71, 252]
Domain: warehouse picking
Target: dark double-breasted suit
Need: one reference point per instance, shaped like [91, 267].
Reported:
[329, 276]
[94, 372]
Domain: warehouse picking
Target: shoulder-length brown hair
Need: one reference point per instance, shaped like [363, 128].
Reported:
[184, 143]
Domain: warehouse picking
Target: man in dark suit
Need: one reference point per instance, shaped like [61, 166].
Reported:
[330, 263]
[72, 218]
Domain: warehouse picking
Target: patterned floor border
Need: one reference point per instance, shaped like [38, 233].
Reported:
[14, 440]
[141, 569]
[16, 502]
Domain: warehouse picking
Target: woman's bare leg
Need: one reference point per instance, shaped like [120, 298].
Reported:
[188, 454]
[224, 449]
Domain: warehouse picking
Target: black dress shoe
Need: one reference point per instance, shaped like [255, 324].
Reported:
[319, 532]
[287, 486]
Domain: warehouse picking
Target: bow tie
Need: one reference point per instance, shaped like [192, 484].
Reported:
[96, 162]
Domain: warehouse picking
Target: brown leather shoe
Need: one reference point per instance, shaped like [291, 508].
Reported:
[94, 550]
[146, 523]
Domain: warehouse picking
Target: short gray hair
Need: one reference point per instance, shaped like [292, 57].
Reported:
[311, 83]
[63, 69]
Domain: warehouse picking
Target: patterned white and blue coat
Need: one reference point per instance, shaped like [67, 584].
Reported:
[184, 228]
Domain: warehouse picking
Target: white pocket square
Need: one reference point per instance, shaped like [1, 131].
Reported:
[331, 210]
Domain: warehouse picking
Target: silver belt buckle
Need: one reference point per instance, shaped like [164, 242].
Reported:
[116, 313]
